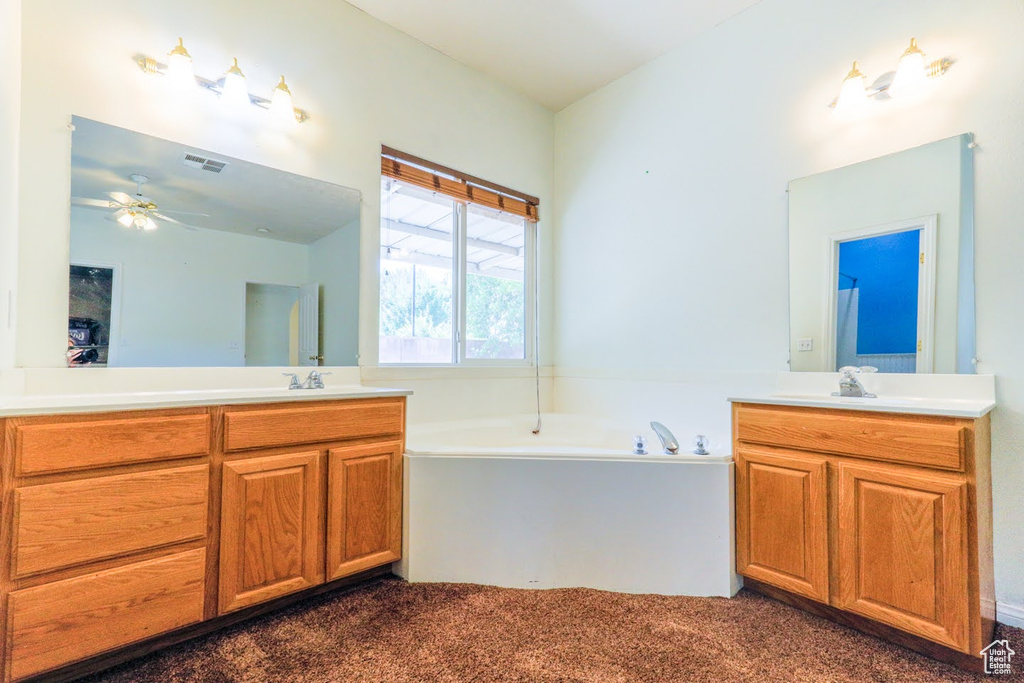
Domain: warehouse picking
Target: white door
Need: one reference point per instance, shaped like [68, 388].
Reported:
[309, 324]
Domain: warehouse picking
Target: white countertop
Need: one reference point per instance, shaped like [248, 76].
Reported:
[13, 405]
[902, 404]
[950, 395]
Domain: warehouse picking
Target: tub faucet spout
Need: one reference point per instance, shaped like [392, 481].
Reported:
[668, 441]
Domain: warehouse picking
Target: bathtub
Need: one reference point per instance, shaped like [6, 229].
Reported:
[487, 501]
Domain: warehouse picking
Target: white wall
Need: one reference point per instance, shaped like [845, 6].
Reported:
[10, 77]
[339, 295]
[671, 211]
[915, 183]
[362, 82]
[182, 300]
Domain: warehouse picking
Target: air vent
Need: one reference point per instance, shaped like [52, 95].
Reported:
[195, 161]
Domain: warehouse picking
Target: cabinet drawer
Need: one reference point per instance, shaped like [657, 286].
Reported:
[58, 623]
[289, 426]
[919, 440]
[63, 446]
[61, 525]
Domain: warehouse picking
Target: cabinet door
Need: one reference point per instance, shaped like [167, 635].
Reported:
[364, 507]
[782, 520]
[271, 535]
[903, 550]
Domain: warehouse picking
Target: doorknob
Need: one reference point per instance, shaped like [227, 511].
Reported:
[319, 358]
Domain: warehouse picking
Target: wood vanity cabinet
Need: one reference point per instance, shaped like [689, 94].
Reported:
[121, 527]
[880, 521]
[309, 494]
[104, 533]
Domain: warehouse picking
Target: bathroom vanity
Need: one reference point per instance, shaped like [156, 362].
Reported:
[880, 519]
[126, 530]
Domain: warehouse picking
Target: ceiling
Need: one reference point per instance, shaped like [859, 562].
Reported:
[554, 51]
[243, 198]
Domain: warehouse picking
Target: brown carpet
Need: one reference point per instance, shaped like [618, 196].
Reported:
[454, 633]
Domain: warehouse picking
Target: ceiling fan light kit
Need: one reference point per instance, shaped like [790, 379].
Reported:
[231, 87]
[133, 212]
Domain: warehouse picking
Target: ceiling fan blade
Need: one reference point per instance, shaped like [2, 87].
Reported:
[121, 197]
[186, 213]
[162, 217]
[93, 203]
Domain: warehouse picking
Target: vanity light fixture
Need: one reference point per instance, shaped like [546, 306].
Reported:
[233, 91]
[910, 75]
[179, 66]
[853, 94]
[911, 72]
[231, 87]
[281, 106]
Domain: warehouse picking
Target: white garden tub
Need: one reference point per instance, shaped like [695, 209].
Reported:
[486, 501]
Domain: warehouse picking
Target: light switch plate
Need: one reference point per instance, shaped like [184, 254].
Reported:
[804, 344]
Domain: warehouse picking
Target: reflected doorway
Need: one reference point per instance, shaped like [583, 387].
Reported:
[92, 303]
[282, 325]
[883, 297]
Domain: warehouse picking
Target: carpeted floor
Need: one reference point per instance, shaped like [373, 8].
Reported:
[454, 633]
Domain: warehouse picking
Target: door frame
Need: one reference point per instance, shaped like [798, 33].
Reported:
[926, 282]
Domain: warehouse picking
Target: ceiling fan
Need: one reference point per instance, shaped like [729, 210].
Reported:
[138, 211]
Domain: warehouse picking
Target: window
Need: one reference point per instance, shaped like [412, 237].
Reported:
[456, 268]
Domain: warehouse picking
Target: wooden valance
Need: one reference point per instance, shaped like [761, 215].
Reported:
[458, 186]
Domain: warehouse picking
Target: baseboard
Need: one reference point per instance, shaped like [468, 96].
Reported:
[1011, 615]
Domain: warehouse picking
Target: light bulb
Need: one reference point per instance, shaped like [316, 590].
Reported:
[234, 91]
[126, 218]
[281, 106]
[179, 66]
[910, 74]
[139, 220]
[853, 94]
[148, 224]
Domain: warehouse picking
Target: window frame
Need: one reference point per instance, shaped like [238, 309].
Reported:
[460, 223]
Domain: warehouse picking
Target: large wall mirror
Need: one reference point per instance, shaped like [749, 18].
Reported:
[881, 263]
[185, 257]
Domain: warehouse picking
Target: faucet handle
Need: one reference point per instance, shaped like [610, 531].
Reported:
[849, 370]
[868, 369]
[294, 384]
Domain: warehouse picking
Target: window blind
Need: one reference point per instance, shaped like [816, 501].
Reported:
[459, 186]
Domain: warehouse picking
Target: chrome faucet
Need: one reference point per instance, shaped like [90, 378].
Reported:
[849, 385]
[668, 441]
[315, 380]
